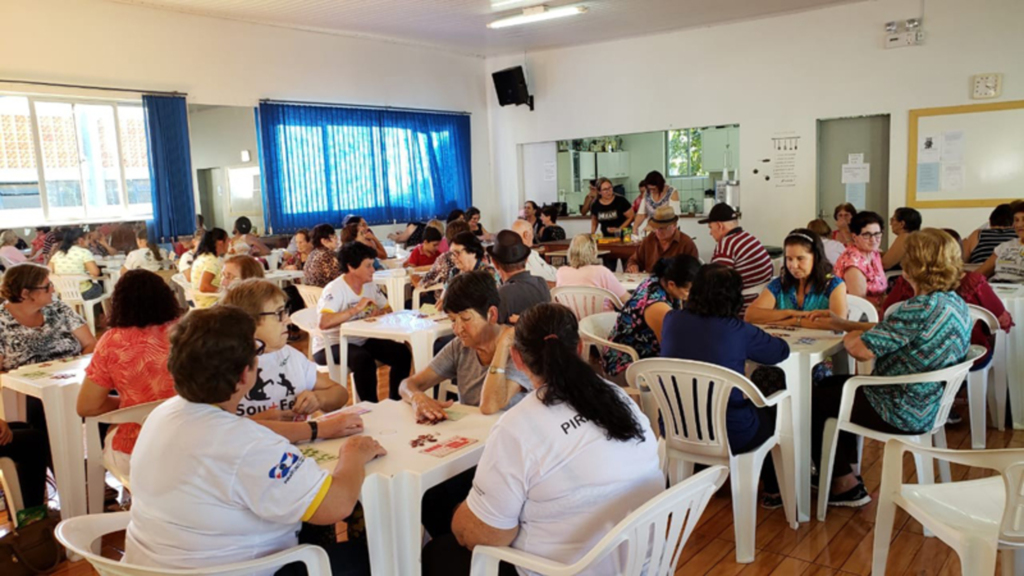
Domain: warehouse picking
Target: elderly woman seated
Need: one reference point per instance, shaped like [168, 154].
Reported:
[928, 332]
[584, 270]
[806, 292]
[232, 510]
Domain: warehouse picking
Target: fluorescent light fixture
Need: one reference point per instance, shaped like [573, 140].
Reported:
[538, 14]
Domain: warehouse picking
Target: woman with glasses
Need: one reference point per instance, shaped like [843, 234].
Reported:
[860, 266]
[238, 268]
[288, 387]
[131, 359]
[34, 327]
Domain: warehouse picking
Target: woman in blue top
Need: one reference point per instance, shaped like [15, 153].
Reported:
[639, 322]
[806, 286]
[709, 330]
[929, 332]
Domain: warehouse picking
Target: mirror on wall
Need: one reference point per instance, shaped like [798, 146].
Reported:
[226, 165]
[692, 160]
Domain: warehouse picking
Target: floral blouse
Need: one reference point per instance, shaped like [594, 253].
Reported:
[21, 345]
[321, 267]
[440, 270]
[632, 330]
[870, 266]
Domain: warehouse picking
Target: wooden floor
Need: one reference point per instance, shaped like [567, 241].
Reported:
[839, 546]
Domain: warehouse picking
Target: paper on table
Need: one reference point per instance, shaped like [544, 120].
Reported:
[928, 177]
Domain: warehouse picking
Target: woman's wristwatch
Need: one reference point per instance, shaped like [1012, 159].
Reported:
[314, 429]
[495, 370]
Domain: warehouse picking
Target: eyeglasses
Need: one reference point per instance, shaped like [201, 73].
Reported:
[280, 313]
[48, 286]
[870, 235]
[260, 347]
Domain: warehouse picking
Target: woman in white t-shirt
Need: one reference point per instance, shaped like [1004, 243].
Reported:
[147, 256]
[288, 387]
[1006, 264]
[562, 467]
[210, 488]
[72, 258]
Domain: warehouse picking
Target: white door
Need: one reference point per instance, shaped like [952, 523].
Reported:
[840, 138]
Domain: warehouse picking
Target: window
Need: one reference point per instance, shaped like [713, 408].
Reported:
[320, 163]
[71, 161]
[684, 153]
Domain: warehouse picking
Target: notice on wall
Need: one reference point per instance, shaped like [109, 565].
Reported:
[952, 147]
[856, 173]
[785, 149]
[928, 177]
[952, 178]
[928, 149]
[855, 158]
[550, 171]
[856, 194]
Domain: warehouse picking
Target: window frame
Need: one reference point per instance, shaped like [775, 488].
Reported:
[125, 213]
[689, 164]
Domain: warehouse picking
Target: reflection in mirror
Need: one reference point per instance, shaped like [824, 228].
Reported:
[226, 165]
[692, 160]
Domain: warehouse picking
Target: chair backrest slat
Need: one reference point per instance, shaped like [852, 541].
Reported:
[584, 300]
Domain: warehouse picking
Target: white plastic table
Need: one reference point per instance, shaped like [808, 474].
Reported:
[394, 281]
[403, 326]
[631, 281]
[803, 356]
[281, 276]
[63, 424]
[1012, 368]
[393, 490]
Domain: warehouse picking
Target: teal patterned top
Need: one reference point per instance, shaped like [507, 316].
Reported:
[928, 332]
[787, 300]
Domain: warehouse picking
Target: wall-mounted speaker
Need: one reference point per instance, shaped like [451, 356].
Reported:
[510, 84]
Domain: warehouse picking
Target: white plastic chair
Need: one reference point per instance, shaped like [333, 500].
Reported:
[68, 288]
[81, 535]
[186, 288]
[11, 486]
[952, 376]
[308, 320]
[417, 294]
[693, 398]
[977, 379]
[649, 541]
[310, 294]
[594, 331]
[584, 300]
[94, 450]
[976, 518]
[857, 309]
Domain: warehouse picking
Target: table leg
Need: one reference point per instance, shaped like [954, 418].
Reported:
[396, 292]
[422, 343]
[65, 432]
[377, 501]
[1014, 365]
[407, 489]
[796, 430]
[342, 366]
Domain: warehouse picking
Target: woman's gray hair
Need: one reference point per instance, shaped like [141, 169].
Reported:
[582, 251]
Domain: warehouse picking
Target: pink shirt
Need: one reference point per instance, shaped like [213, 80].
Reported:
[593, 275]
[13, 254]
[870, 266]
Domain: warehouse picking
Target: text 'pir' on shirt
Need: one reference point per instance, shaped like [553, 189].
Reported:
[573, 424]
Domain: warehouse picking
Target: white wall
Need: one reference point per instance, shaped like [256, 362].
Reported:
[217, 61]
[776, 75]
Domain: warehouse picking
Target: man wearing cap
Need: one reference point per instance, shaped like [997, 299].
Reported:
[666, 241]
[519, 289]
[738, 249]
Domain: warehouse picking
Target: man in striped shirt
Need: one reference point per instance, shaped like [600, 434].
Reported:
[738, 249]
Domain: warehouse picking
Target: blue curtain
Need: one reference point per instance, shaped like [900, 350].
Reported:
[170, 167]
[320, 163]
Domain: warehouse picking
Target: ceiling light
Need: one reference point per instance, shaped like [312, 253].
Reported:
[538, 14]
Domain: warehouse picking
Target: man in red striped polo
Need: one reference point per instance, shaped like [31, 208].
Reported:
[738, 249]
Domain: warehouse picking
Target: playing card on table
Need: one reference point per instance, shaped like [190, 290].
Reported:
[806, 341]
[455, 415]
[357, 410]
[35, 375]
[453, 444]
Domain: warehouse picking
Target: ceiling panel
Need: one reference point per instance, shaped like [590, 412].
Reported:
[461, 25]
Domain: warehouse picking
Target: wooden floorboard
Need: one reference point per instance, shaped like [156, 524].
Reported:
[842, 545]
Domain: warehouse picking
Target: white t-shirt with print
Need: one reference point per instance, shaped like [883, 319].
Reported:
[185, 262]
[562, 481]
[338, 296]
[143, 258]
[281, 376]
[210, 488]
[1009, 262]
[72, 263]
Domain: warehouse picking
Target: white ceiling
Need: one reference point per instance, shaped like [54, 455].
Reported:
[461, 25]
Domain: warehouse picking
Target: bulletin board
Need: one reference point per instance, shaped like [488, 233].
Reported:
[966, 156]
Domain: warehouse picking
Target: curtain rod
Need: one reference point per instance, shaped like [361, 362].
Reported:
[365, 107]
[83, 87]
